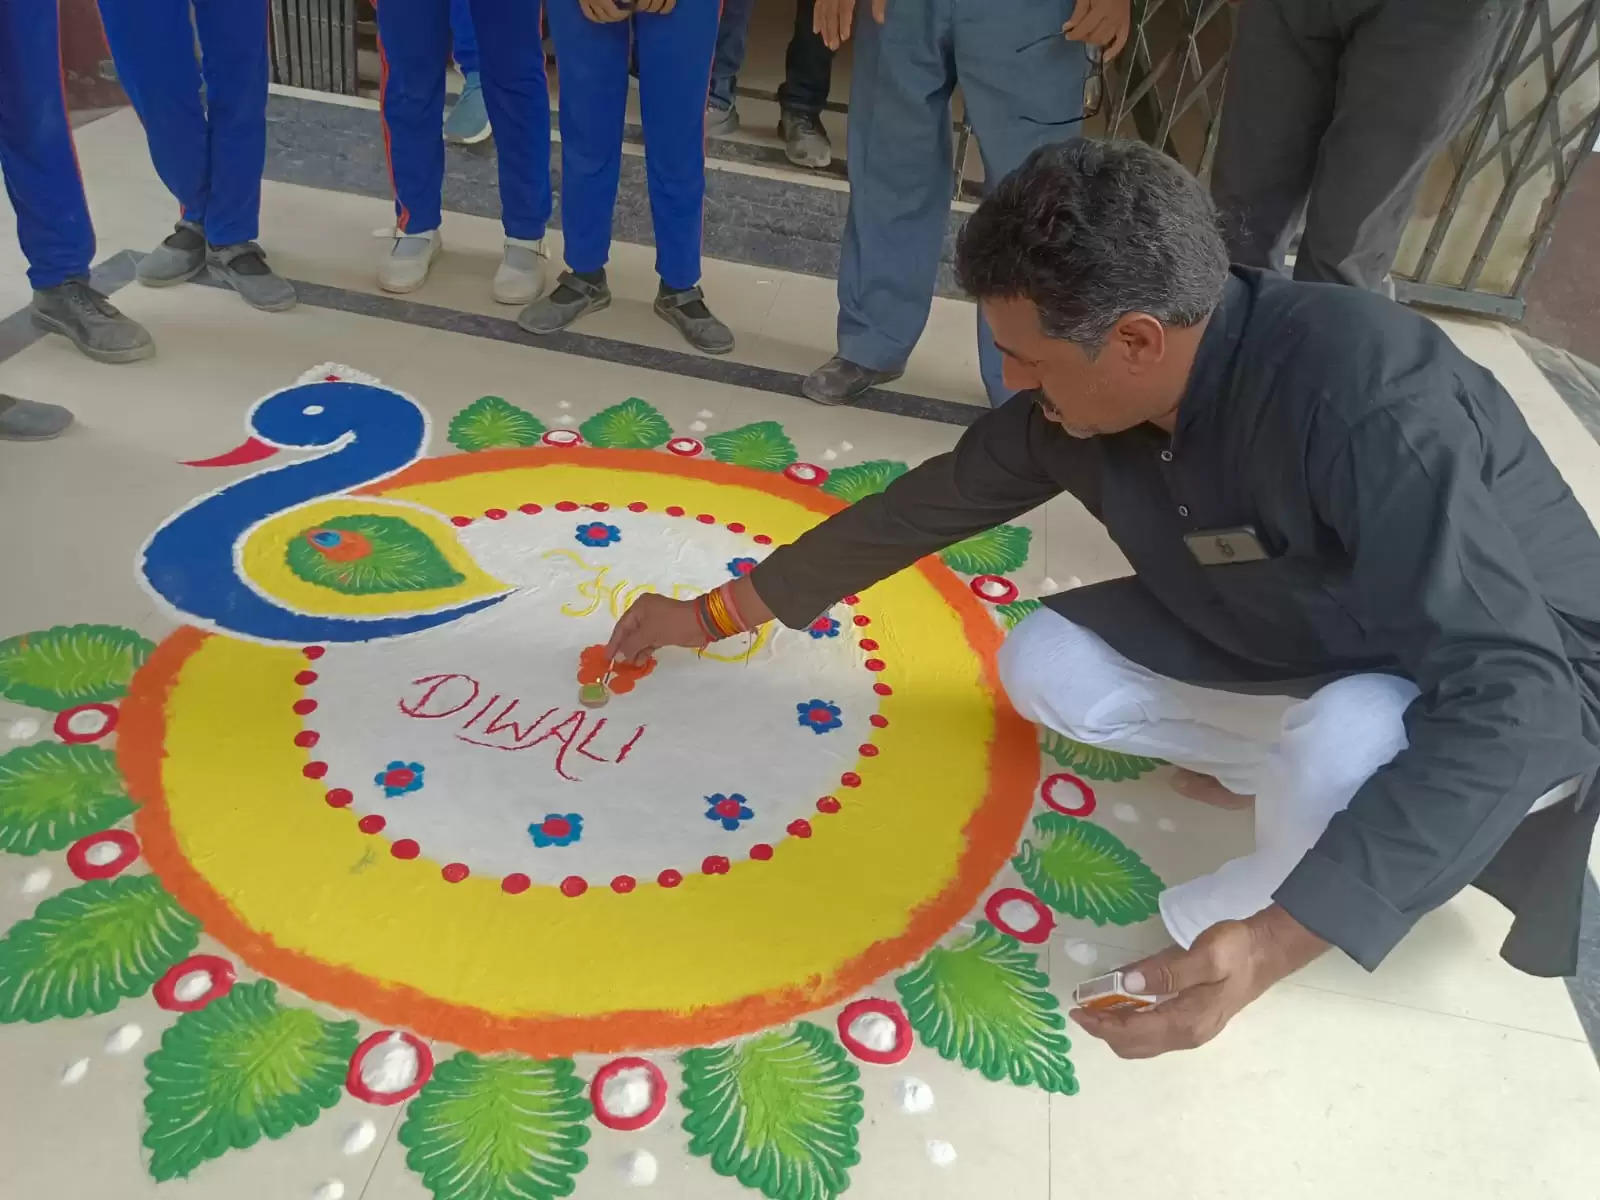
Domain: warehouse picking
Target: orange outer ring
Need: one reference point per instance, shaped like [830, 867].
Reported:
[1013, 772]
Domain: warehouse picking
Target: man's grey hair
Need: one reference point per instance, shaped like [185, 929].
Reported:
[1090, 231]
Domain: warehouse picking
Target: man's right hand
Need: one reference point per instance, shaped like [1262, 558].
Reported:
[602, 11]
[832, 19]
[653, 622]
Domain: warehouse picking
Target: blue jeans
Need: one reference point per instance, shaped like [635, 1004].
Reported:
[1023, 85]
[808, 65]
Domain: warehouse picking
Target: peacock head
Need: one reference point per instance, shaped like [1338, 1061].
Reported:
[317, 416]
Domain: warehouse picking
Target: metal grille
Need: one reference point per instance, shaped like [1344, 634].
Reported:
[314, 44]
[1476, 239]
[1487, 205]
[1166, 87]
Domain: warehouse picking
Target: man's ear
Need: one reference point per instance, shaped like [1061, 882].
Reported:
[1141, 340]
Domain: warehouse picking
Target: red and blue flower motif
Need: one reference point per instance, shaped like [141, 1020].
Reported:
[730, 811]
[740, 567]
[557, 829]
[819, 716]
[823, 627]
[398, 778]
[597, 533]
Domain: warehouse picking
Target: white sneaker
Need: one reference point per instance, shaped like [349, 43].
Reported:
[520, 278]
[406, 267]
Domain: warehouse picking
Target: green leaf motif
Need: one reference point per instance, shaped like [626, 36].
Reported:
[763, 446]
[1091, 761]
[52, 795]
[985, 1004]
[996, 551]
[90, 947]
[778, 1112]
[498, 1128]
[70, 665]
[865, 479]
[370, 554]
[1017, 611]
[1079, 868]
[242, 1067]
[631, 425]
[492, 423]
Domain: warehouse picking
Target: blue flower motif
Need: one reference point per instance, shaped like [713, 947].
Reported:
[823, 627]
[598, 533]
[557, 829]
[731, 811]
[398, 778]
[819, 716]
[740, 567]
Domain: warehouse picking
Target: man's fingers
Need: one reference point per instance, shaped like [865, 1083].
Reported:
[1171, 971]
[1117, 43]
[1079, 10]
[1183, 1023]
[879, 8]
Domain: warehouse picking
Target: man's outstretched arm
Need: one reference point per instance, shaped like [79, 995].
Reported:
[993, 475]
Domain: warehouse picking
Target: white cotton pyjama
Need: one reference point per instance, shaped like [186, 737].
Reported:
[1303, 760]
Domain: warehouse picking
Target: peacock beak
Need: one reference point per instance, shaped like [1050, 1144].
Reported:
[249, 451]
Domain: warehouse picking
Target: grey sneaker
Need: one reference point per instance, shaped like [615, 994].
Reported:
[181, 257]
[77, 312]
[805, 141]
[686, 312]
[573, 298]
[30, 421]
[243, 267]
[720, 122]
[840, 381]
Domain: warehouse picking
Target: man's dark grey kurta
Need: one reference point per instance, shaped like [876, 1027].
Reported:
[1414, 525]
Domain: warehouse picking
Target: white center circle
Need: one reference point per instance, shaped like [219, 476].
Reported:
[628, 1093]
[472, 741]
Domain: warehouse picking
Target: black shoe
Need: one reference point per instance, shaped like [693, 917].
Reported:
[77, 312]
[686, 312]
[805, 141]
[840, 381]
[180, 257]
[243, 267]
[574, 297]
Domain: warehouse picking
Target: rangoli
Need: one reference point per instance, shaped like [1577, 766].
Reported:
[382, 763]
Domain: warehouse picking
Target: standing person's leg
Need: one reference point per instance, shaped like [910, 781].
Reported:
[233, 62]
[468, 121]
[41, 176]
[733, 34]
[1282, 75]
[413, 45]
[1302, 762]
[900, 148]
[464, 36]
[1411, 73]
[152, 45]
[518, 99]
[674, 59]
[807, 79]
[592, 58]
[1023, 86]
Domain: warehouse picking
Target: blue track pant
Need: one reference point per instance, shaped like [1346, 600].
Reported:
[414, 38]
[674, 75]
[36, 155]
[208, 152]
[464, 36]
